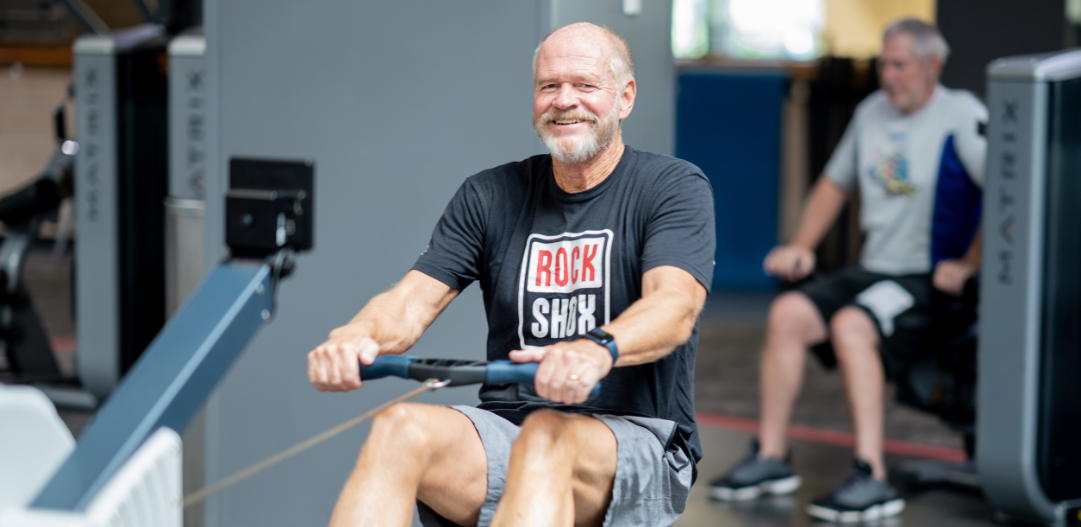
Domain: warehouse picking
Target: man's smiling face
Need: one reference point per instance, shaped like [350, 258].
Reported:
[576, 100]
[906, 80]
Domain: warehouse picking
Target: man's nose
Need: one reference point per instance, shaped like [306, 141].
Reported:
[566, 98]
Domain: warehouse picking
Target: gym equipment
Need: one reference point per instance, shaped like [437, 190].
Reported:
[35, 442]
[434, 373]
[942, 381]
[198, 496]
[120, 177]
[458, 372]
[185, 208]
[85, 17]
[187, 359]
[127, 462]
[1030, 423]
[26, 347]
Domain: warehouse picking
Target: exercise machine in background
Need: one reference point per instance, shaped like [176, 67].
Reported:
[140, 104]
[125, 470]
[1029, 423]
[120, 181]
[26, 349]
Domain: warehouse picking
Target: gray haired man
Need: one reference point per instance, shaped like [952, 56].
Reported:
[914, 151]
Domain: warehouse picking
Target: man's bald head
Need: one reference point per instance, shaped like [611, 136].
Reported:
[618, 54]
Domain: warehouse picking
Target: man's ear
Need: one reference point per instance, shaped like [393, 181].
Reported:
[626, 99]
[935, 64]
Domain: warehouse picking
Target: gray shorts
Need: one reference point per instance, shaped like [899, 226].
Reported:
[651, 483]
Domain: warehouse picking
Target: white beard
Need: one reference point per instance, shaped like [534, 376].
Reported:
[573, 151]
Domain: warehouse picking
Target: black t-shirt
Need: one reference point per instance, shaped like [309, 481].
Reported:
[553, 265]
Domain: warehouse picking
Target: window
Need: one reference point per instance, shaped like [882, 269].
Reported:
[748, 29]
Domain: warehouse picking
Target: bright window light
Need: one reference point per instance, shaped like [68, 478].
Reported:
[690, 29]
[748, 29]
[768, 29]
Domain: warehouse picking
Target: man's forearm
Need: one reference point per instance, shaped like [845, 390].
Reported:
[658, 322]
[825, 203]
[397, 318]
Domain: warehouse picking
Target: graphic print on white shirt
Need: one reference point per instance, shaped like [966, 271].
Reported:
[889, 166]
[564, 288]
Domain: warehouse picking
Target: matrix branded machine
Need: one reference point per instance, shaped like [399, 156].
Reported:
[1029, 421]
[121, 182]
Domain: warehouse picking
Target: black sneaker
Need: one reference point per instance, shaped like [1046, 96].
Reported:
[755, 476]
[860, 498]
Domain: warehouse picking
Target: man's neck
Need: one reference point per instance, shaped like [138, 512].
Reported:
[579, 177]
[926, 99]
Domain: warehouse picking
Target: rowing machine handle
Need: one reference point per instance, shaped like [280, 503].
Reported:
[496, 372]
[506, 372]
[387, 366]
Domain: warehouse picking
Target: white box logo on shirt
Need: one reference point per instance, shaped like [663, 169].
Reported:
[564, 289]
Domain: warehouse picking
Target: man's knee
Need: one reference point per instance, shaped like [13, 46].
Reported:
[793, 316]
[402, 426]
[852, 330]
[542, 434]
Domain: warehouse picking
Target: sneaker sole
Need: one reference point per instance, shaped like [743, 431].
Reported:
[874, 512]
[775, 487]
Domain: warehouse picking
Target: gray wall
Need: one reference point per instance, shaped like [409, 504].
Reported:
[397, 102]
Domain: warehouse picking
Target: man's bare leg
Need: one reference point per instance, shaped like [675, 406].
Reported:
[415, 451]
[855, 340]
[561, 471]
[794, 324]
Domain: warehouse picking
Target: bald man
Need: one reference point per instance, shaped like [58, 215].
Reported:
[594, 261]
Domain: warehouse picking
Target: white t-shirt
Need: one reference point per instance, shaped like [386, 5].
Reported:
[919, 177]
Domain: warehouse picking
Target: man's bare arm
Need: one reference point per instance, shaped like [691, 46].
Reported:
[950, 275]
[389, 324]
[796, 260]
[648, 330]
[662, 319]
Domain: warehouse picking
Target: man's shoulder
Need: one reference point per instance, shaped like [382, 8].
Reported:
[514, 173]
[963, 104]
[652, 164]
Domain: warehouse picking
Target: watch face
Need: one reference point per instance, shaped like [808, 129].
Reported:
[601, 334]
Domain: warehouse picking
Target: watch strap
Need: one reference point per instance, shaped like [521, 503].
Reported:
[604, 339]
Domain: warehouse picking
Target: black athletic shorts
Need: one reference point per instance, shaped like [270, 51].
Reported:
[900, 306]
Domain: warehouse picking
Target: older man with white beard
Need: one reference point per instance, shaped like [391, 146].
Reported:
[594, 262]
[914, 151]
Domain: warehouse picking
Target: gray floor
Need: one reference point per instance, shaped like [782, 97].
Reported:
[726, 384]
[821, 467]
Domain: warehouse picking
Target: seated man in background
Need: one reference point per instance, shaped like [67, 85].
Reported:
[914, 150]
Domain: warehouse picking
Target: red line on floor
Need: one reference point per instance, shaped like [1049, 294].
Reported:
[832, 437]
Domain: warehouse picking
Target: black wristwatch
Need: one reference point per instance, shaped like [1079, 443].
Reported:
[605, 339]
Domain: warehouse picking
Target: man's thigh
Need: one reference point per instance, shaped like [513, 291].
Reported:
[624, 473]
[595, 464]
[910, 331]
[456, 479]
[832, 292]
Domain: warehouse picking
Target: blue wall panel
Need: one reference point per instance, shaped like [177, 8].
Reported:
[730, 126]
